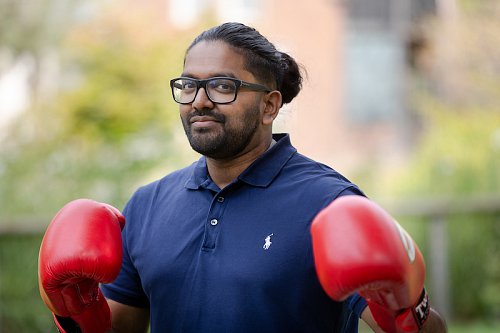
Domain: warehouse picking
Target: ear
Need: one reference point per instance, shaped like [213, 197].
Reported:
[272, 106]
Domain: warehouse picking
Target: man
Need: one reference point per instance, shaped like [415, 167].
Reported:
[223, 245]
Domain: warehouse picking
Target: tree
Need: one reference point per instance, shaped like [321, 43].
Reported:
[108, 127]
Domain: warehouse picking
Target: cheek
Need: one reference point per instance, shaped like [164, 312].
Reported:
[241, 117]
[184, 111]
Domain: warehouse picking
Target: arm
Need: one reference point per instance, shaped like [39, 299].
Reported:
[128, 319]
[434, 324]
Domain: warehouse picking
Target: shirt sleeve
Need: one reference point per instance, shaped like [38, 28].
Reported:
[356, 304]
[350, 312]
[351, 190]
[127, 288]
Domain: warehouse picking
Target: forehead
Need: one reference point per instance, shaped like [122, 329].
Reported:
[214, 58]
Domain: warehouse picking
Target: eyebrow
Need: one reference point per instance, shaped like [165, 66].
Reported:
[231, 75]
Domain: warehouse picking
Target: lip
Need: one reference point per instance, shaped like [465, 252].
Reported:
[202, 121]
[196, 119]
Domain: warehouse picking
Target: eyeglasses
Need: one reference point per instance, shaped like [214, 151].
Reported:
[220, 90]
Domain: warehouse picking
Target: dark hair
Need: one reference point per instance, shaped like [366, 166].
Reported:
[262, 58]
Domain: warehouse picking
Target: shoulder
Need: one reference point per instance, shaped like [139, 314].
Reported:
[146, 195]
[318, 175]
[311, 185]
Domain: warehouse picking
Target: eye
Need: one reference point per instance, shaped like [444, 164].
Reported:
[187, 85]
[222, 85]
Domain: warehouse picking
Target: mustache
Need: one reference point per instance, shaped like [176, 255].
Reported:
[209, 113]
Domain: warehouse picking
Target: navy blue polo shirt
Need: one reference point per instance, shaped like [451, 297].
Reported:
[237, 259]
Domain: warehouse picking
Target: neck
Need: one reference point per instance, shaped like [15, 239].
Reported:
[224, 171]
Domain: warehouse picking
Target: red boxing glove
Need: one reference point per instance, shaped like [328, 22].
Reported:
[81, 248]
[359, 247]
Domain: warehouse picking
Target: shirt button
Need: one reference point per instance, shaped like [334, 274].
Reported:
[220, 199]
[214, 222]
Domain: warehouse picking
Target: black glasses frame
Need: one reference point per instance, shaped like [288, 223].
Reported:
[203, 84]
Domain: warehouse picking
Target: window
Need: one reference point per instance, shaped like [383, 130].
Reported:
[374, 77]
[375, 60]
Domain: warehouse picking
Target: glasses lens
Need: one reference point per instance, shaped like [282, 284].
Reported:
[184, 90]
[221, 90]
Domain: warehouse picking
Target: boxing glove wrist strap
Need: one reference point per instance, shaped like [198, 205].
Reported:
[421, 309]
[413, 319]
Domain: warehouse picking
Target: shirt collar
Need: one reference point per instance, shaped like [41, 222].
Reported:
[199, 177]
[260, 173]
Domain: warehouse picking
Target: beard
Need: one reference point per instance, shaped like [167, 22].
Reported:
[224, 141]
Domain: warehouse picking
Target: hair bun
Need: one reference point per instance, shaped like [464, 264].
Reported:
[291, 78]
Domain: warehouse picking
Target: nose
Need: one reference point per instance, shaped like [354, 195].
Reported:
[202, 101]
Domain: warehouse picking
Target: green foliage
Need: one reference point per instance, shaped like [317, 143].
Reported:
[475, 278]
[122, 79]
[109, 127]
[31, 27]
[459, 153]
[21, 308]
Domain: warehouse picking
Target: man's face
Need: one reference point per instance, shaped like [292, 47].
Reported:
[220, 131]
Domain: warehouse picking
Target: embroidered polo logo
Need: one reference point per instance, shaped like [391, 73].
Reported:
[267, 242]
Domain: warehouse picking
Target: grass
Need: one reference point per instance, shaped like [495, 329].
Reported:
[476, 327]
[21, 308]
